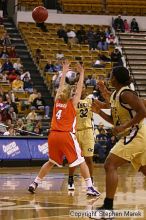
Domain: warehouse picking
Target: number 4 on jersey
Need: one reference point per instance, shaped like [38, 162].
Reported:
[58, 114]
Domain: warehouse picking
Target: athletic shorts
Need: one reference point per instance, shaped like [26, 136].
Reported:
[62, 144]
[132, 147]
[86, 141]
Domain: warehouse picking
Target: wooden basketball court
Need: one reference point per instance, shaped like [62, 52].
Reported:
[52, 201]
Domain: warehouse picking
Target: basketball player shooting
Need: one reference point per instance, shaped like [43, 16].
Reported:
[62, 140]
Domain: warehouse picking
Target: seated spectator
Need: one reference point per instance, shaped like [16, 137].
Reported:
[111, 40]
[81, 35]
[101, 144]
[62, 34]
[10, 131]
[12, 114]
[134, 26]
[28, 84]
[18, 65]
[29, 126]
[116, 57]
[7, 66]
[71, 36]
[38, 55]
[98, 64]
[33, 96]
[11, 76]
[24, 74]
[102, 44]
[119, 24]
[59, 55]
[4, 110]
[11, 103]
[92, 39]
[39, 104]
[4, 53]
[20, 126]
[32, 115]
[57, 66]
[3, 77]
[12, 52]
[17, 84]
[49, 67]
[5, 40]
[126, 26]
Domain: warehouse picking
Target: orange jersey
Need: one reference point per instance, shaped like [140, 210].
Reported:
[64, 117]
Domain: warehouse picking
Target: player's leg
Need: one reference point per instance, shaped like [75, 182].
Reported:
[111, 165]
[72, 152]
[71, 178]
[42, 173]
[89, 162]
[55, 157]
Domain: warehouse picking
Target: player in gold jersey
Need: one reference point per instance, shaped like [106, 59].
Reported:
[127, 116]
[85, 134]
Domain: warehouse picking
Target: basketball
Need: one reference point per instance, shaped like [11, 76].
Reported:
[40, 14]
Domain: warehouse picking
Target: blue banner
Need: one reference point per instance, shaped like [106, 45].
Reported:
[11, 149]
[38, 148]
[23, 149]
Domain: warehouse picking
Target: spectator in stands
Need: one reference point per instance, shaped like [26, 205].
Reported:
[10, 94]
[39, 104]
[62, 34]
[92, 39]
[28, 84]
[101, 144]
[2, 93]
[59, 55]
[111, 40]
[38, 55]
[18, 65]
[134, 26]
[17, 84]
[4, 53]
[10, 131]
[49, 67]
[4, 8]
[33, 96]
[119, 24]
[12, 52]
[12, 114]
[3, 77]
[126, 26]
[5, 40]
[81, 35]
[12, 104]
[20, 124]
[57, 66]
[4, 110]
[24, 73]
[116, 57]
[102, 44]
[32, 115]
[7, 66]
[11, 76]
[29, 126]
[71, 36]
[98, 63]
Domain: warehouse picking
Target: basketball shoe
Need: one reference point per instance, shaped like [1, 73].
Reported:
[71, 183]
[32, 187]
[92, 192]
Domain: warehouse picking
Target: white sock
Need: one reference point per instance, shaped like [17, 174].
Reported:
[38, 180]
[88, 182]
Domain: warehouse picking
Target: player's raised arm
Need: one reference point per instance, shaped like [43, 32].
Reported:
[78, 92]
[66, 65]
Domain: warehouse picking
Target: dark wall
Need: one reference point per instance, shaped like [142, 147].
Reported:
[50, 4]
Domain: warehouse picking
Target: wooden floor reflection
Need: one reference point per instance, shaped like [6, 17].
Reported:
[52, 201]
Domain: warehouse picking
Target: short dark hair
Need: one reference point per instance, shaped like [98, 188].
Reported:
[122, 75]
